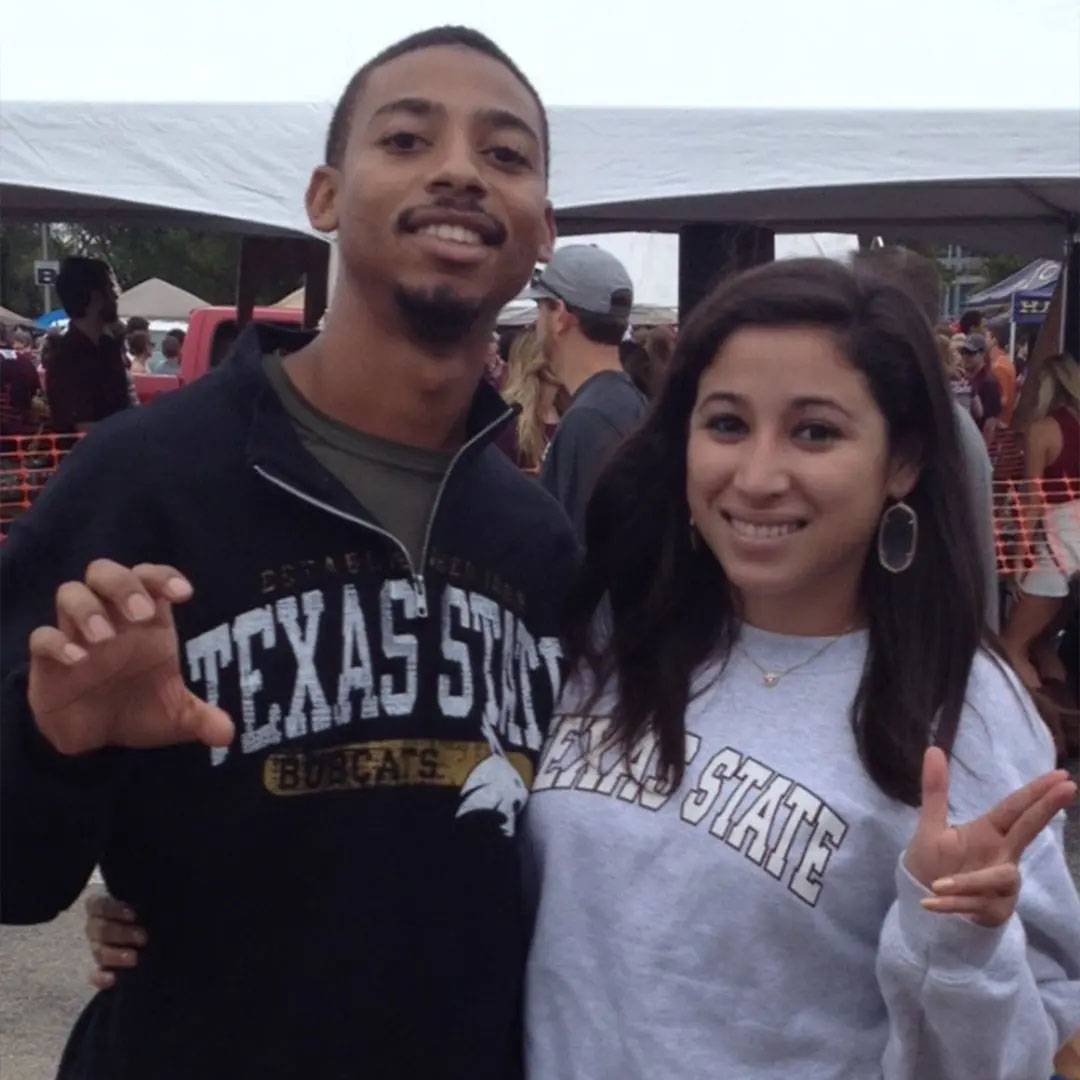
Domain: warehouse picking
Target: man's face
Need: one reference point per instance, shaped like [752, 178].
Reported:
[442, 195]
[105, 299]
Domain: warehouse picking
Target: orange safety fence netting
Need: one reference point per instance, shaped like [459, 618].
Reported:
[26, 463]
[1028, 514]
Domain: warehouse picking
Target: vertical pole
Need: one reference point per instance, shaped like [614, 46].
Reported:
[46, 292]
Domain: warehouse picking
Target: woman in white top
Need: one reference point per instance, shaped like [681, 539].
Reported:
[739, 835]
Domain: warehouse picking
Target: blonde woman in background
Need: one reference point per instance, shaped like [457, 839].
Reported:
[1052, 456]
[530, 384]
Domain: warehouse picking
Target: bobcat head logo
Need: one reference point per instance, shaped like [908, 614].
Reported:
[496, 785]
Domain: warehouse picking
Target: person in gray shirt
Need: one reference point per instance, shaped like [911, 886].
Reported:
[584, 296]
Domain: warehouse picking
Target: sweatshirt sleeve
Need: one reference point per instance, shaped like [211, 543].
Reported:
[966, 1000]
[54, 809]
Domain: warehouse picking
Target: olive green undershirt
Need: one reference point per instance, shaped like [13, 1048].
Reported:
[397, 485]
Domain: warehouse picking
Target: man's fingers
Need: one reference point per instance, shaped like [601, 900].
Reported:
[104, 906]
[108, 956]
[48, 643]
[1000, 880]
[934, 812]
[1033, 820]
[1009, 811]
[165, 582]
[122, 588]
[110, 932]
[102, 980]
[78, 608]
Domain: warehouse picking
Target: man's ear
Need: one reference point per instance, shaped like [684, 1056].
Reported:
[547, 245]
[321, 198]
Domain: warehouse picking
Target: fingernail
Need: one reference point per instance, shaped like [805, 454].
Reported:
[127, 913]
[178, 588]
[139, 608]
[930, 902]
[98, 629]
[74, 653]
[943, 884]
[140, 937]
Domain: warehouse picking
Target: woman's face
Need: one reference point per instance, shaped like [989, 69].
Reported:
[788, 469]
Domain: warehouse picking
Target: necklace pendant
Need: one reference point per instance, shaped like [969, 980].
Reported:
[770, 679]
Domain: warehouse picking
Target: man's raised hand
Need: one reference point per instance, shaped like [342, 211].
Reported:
[108, 673]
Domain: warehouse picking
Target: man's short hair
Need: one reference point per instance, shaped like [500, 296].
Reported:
[170, 347]
[969, 320]
[601, 329]
[177, 333]
[78, 280]
[136, 322]
[337, 136]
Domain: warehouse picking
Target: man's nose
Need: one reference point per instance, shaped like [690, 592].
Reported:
[458, 170]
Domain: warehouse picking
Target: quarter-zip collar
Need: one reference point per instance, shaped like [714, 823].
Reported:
[275, 451]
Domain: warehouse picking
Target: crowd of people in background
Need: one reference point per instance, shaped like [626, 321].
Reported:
[64, 380]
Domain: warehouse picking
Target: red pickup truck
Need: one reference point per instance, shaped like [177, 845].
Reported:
[210, 334]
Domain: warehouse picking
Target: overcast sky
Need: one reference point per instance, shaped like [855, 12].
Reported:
[768, 53]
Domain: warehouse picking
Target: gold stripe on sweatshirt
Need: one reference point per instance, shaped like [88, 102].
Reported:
[381, 764]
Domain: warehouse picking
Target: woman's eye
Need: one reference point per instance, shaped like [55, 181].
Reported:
[507, 155]
[726, 425]
[816, 433]
[401, 140]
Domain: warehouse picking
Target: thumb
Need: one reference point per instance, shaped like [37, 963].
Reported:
[205, 723]
[934, 812]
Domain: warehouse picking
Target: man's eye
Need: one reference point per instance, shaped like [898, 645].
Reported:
[817, 433]
[401, 140]
[507, 155]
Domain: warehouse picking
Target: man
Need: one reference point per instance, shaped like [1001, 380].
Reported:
[1002, 367]
[584, 296]
[85, 375]
[322, 570]
[19, 386]
[169, 362]
[971, 322]
[986, 402]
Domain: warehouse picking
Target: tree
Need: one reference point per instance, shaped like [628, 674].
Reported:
[204, 263]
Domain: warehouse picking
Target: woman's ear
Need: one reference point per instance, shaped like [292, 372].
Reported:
[321, 198]
[903, 476]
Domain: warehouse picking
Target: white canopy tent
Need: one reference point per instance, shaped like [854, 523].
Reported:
[157, 299]
[1007, 181]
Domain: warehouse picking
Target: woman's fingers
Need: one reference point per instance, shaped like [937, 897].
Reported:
[165, 582]
[1037, 816]
[985, 910]
[1000, 880]
[934, 810]
[1008, 812]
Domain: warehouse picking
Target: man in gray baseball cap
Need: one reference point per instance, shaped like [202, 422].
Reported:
[584, 296]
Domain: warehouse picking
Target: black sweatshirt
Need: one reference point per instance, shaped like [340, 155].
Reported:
[337, 894]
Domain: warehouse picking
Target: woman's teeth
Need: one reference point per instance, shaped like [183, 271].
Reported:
[751, 531]
[458, 234]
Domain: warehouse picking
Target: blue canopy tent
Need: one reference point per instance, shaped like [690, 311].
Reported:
[1039, 276]
[51, 318]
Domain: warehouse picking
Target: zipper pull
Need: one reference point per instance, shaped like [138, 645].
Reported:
[421, 596]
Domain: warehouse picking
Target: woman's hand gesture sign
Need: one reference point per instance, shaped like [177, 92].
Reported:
[973, 869]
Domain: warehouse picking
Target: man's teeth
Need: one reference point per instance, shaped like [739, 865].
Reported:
[456, 233]
[763, 532]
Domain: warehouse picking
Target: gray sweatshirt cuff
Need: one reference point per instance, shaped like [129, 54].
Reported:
[952, 945]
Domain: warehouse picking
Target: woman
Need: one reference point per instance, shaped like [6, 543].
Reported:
[1052, 458]
[737, 835]
[716, 848]
[141, 349]
[530, 384]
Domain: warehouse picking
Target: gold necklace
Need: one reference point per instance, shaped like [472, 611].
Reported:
[771, 678]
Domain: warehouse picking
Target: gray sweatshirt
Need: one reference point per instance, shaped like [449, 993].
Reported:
[758, 921]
